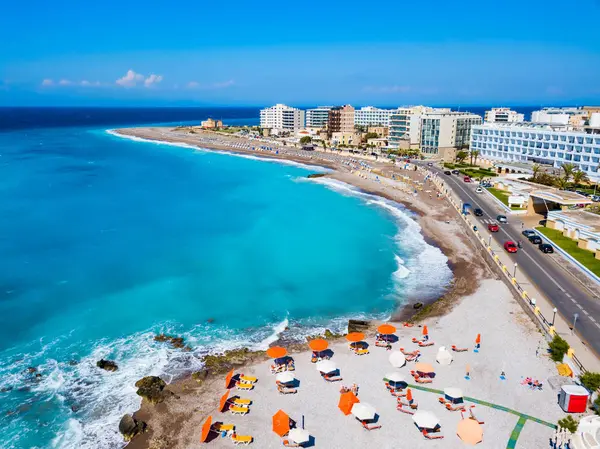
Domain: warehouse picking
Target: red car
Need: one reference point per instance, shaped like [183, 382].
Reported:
[466, 179]
[511, 247]
[493, 227]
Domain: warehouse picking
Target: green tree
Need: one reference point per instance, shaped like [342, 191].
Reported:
[461, 156]
[590, 380]
[561, 183]
[580, 177]
[568, 423]
[306, 139]
[558, 348]
[475, 154]
[536, 169]
[568, 169]
[371, 136]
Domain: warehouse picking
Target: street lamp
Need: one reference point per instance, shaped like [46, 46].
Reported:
[554, 316]
[490, 240]
[575, 316]
[515, 270]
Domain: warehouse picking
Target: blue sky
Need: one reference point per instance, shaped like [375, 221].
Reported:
[191, 52]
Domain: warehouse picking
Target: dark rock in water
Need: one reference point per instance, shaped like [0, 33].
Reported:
[24, 389]
[5, 389]
[107, 365]
[330, 335]
[316, 175]
[210, 320]
[73, 362]
[74, 408]
[32, 369]
[130, 427]
[176, 342]
[417, 305]
[38, 377]
[200, 376]
[151, 388]
[357, 325]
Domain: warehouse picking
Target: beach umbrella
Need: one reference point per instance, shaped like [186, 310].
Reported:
[206, 429]
[397, 359]
[223, 401]
[395, 377]
[299, 436]
[478, 339]
[355, 337]
[409, 397]
[318, 345]
[443, 356]
[470, 431]
[281, 423]
[386, 329]
[425, 330]
[276, 352]
[285, 377]
[326, 366]
[425, 420]
[228, 379]
[454, 395]
[347, 400]
[363, 411]
[424, 368]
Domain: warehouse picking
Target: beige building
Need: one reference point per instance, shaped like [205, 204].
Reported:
[341, 119]
[211, 124]
[378, 142]
[340, 138]
[381, 131]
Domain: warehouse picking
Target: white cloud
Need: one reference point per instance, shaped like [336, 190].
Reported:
[130, 79]
[193, 85]
[47, 82]
[87, 83]
[152, 80]
[223, 84]
[64, 82]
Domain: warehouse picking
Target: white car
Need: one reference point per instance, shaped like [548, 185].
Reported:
[478, 190]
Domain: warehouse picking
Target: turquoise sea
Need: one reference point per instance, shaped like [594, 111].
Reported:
[106, 241]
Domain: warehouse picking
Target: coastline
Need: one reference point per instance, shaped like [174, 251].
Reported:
[436, 219]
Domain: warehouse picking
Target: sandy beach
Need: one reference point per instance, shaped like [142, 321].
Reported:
[477, 302]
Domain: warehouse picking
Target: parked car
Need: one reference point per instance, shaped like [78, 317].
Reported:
[528, 233]
[430, 164]
[546, 248]
[455, 172]
[596, 198]
[493, 227]
[447, 172]
[478, 190]
[535, 239]
[466, 179]
[510, 246]
[478, 212]
[502, 219]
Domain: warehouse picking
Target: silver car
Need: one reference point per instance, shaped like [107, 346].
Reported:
[502, 219]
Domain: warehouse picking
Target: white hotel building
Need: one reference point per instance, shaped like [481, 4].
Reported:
[503, 115]
[533, 143]
[282, 117]
[371, 116]
[317, 117]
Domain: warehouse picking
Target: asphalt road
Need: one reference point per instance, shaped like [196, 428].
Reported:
[567, 294]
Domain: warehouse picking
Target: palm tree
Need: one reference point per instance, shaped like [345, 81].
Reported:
[536, 169]
[580, 177]
[569, 169]
[324, 145]
[475, 154]
[461, 156]
[562, 183]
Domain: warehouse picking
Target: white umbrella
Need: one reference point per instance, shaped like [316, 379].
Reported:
[326, 366]
[363, 411]
[285, 377]
[443, 356]
[397, 359]
[455, 393]
[395, 377]
[299, 436]
[425, 420]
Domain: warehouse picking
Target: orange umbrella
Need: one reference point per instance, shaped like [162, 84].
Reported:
[347, 400]
[228, 379]
[426, 368]
[318, 345]
[281, 423]
[386, 329]
[223, 401]
[276, 352]
[355, 336]
[478, 339]
[409, 395]
[206, 429]
[425, 330]
[470, 431]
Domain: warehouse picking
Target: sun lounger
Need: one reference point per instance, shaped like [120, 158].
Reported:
[332, 378]
[288, 443]
[362, 351]
[424, 344]
[455, 349]
[236, 410]
[430, 436]
[381, 344]
[412, 405]
[423, 380]
[370, 427]
[400, 408]
[473, 417]
[453, 408]
[241, 439]
[283, 390]
[244, 386]
[240, 401]
[277, 369]
[248, 379]
[226, 427]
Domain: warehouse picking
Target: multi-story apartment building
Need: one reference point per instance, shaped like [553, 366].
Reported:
[371, 116]
[317, 117]
[282, 117]
[341, 119]
[560, 116]
[503, 115]
[535, 143]
[405, 126]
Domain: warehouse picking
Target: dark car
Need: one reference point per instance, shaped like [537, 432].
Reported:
[546, 248]
[478, 212]
[535, 239]
[455, 172]
[447, 172]
[528, 233]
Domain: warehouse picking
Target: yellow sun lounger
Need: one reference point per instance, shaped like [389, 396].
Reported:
[240, 401]
[241, 439]
[362, 351]
[226, 427]
[248, 379]
[244, 386]
[236, 410]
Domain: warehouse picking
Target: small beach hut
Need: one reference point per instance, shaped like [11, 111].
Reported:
[347, 400]
[573, 398]
[228, 379]
[281, 423]
[285, 377]
[470, 431]
[326, 366]
[318, 345]
[299, 436]
[397, 359]
[206, 429]
[223, 401]
[443, 356]
[363, 411]
[454, 395]
[425, 420]
[424, 369]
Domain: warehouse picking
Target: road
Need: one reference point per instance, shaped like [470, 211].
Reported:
[568, 294]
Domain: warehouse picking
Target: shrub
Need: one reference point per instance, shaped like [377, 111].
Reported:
[558, 348]
[596, 405]
[568, 423]
[590, 380]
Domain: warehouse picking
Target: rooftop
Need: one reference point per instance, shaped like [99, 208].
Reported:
[585, 218]
[563, 197]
